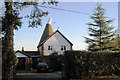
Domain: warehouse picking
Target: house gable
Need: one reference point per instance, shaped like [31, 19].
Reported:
[55, 33]
[55, 42]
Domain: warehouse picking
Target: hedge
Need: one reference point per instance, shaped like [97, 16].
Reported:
[83, 64]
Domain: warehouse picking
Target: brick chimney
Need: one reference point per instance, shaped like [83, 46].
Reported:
[22, 48]
[117, 35]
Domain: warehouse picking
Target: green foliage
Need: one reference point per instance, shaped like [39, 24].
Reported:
[11, 21]
[55, 61]
[9, 59]
[81, 64]
[36, 15]
[101, 31]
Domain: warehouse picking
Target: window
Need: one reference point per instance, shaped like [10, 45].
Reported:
[63, 47]
[49, 47]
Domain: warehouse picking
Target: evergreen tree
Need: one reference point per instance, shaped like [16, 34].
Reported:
[9, 58]
[10, 22]
[101, 31]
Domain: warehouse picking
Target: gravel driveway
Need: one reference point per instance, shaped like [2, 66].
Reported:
[33, 75]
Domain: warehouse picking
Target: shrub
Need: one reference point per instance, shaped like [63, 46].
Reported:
[55, 61]
[82, 64]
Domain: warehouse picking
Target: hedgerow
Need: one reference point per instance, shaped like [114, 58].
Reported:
[84, 64]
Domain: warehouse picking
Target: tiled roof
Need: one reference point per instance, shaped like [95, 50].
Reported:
[47, 32]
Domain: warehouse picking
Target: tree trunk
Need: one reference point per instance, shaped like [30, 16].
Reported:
[8, 55]
[10, 28]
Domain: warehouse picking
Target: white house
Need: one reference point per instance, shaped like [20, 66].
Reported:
[53, 41]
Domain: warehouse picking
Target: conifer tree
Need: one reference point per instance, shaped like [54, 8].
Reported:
[101, 31]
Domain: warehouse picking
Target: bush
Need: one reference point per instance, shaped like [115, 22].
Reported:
[55, 61]
[81, 64]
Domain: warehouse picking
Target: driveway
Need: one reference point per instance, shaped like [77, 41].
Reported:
[33, 75]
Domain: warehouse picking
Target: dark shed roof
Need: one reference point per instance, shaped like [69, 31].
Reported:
[32, 53]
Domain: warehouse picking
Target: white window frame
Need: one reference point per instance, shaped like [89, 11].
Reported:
[63, 48]
[50, 48]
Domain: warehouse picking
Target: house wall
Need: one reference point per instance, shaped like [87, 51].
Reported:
[56, 41]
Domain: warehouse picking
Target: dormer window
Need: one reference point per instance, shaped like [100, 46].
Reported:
[63, 47]
[49, 47]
